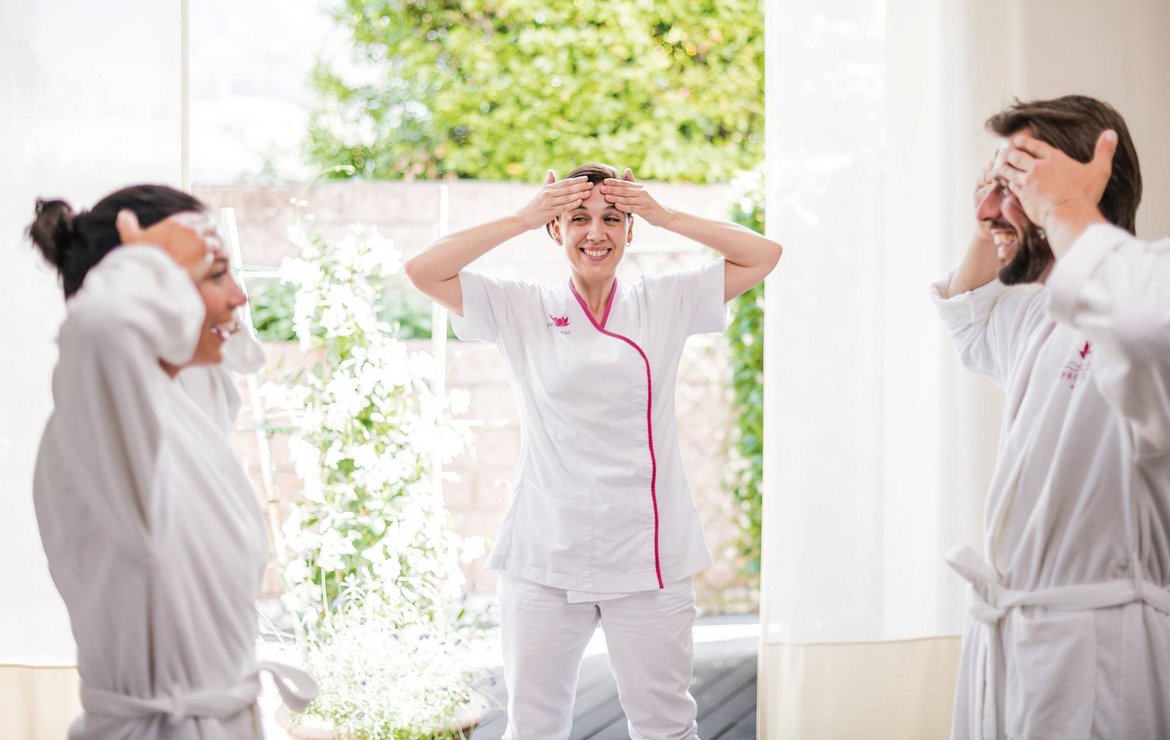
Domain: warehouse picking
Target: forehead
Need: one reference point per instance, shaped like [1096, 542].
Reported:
[596, 201]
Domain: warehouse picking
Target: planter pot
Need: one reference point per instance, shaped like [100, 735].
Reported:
[465, 720]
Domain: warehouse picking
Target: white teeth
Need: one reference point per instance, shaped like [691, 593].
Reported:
[596, 252]
[224, 330]
[1002, 238]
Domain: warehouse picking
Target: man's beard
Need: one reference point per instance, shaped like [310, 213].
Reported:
[1033, 257]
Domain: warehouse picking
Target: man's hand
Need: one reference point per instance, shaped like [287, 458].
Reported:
[984, 186]
[1052, 185]
[192, 239]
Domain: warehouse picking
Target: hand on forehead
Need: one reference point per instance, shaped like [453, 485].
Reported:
[204, 227]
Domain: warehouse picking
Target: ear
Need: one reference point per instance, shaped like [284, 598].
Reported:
[555, 230]
[629, 228]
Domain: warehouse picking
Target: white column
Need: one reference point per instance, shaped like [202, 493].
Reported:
[92, 102]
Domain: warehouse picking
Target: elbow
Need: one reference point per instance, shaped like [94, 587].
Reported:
[1142, 337]
[413, 270]
[775, 251]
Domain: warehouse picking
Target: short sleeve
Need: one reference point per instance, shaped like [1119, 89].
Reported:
[694, 297]
[484, 308]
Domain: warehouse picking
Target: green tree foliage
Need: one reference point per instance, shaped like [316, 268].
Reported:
[505, 89]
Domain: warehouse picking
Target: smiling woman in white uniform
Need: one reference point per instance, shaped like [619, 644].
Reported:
[602, 527]
[151, 529]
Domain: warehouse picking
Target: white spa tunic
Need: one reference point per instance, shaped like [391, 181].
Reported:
[1070, 630]
[152, 532]
[601, 504]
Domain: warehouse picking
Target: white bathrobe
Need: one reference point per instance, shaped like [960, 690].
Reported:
[1070, 630]
[151, 529]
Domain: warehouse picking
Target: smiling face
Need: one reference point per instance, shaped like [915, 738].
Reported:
[222, 295]
[594, 236]
[1024, 254]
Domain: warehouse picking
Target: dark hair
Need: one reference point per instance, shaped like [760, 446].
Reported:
[595, 172]
[1072, 124]
[75, 242]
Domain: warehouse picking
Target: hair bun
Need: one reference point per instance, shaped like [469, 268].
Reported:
[52, 231]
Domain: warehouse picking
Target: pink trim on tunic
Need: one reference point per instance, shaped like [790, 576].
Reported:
[649, 399]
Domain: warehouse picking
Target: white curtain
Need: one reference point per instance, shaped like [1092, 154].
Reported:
[92, 102]
[878, 447]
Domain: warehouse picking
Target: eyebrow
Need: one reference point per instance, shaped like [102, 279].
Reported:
[609, 207]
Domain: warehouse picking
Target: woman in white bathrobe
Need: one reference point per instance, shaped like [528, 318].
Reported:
[153, 535]
[602, 528]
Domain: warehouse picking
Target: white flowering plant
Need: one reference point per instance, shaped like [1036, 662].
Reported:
[373, 564]
[380, 682]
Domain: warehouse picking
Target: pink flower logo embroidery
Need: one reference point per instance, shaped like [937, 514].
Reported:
[1073, 371]
[559, 320]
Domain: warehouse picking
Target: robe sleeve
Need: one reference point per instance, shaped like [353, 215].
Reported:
[1115, 289]
[987, 323]
[136, 307]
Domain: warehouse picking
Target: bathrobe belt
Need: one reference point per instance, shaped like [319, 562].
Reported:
[991, 601]
[297, 689]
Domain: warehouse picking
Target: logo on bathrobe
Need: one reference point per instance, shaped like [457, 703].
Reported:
[560, 323]
[1074, 370]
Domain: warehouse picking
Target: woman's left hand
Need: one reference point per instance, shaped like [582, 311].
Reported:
[628, 196]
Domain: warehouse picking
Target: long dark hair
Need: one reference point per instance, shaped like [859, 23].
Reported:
[75, 242]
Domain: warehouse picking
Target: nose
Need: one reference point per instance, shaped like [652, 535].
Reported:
[991, 207]
[238, 297]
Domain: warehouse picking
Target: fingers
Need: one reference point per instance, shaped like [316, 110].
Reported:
[628, 175]
[1031, 145]
[1105, 148]
[566, 199]
[204, 227]
[129, 231]
[552, 177]
[578, 184]
[1020, 160]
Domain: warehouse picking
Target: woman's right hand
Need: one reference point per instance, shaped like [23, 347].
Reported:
[555, 198]
[191, 238]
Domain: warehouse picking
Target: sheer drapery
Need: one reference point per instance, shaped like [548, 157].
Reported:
[878, 445]
[92, 102]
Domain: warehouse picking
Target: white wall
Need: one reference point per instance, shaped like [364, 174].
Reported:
[92, 102]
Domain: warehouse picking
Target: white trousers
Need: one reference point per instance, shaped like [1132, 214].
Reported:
[651, 654]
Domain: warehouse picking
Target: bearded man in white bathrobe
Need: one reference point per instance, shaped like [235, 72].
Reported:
[1069, 314]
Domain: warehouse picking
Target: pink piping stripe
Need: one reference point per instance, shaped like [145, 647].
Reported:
[649, 401]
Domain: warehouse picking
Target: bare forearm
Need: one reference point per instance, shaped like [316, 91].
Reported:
[738, 245]
[443, 259]
[748, 256]
[979, 267]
